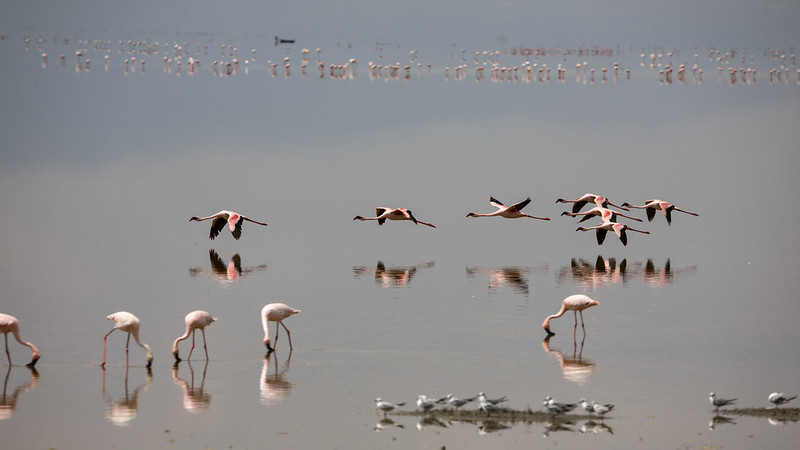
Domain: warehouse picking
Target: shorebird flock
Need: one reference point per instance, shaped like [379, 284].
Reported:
[516, 64]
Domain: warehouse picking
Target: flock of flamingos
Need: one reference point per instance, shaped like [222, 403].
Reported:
[278, 312]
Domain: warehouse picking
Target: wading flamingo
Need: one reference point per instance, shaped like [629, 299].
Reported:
[128, 323]
[575, 303]
[598, 200]
[606, 214]
[234, 221]
[619, 228]
[382, 214]
[194, 320]
[10, 324]
[651, 206]
[276, 312]
[509, 212]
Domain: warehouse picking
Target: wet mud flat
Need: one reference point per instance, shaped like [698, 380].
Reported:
[790, 414]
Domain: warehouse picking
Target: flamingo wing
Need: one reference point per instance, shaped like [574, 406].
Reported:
[522, 204]
[651, 213]
[379, 212]
[496, 203]
[601, 236]
[623, 236]
[236, 228]
[578, 205]
[216, 226]
[217, 265]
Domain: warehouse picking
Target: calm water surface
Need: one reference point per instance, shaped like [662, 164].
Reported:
[101, 171]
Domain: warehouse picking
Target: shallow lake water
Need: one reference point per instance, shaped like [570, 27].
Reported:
[102, 168]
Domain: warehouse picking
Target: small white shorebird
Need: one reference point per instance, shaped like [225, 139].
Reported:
[653, 205]
[487, 406]
[778, 399]
[602, 409]
[509, 212]
[426, 404]
[233, 219]
[387, 406]
[586, 405]
[555, 407]
[458, 402]
[492, 401]
[719, 402]
[619, 228]
[383, 213]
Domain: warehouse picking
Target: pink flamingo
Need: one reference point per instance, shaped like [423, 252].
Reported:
[10, 324]
[575, 303]
[128, 323]
[651, 206]
[509, 212]
[276, 312]
[233, 219]
[382, 213]
[606, 214]
[581, 201]
[194, 320]
[619, 228]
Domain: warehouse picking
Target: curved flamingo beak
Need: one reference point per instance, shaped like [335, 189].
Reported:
[34, 360]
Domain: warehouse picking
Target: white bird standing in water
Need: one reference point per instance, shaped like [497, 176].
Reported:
[777, 398]
[128, 323]
[509, 212]
[383, 213]
[386, 406]
[458, 402]
[719, 402]
[233, 219]
[575, 303]
[10, 324]
[276, 312]
[194, 320]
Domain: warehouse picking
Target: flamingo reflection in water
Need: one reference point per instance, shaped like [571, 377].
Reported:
[514, 276]
[8, 402]
[274, 387]
[225, 273]
[661, 277]
[195, 399]
[595, 275]
[392, 276]
[574, 368]
[121, 411]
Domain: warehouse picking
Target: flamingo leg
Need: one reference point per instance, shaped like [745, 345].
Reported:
[104, 347]
[205, 347]
[287, 334]
[277, 331]
[127, 342]
[8, 354]
[191, 349]
[584, 328]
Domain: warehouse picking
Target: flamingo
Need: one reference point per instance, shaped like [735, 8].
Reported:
[606, 214]
[509, 212]
[653, 205]
[619, 228]
[598, 200]
[128, 323]
[575, 303]
[382, 213]
[10, 324]
[194, 320]
[276, 312]
[233, 219]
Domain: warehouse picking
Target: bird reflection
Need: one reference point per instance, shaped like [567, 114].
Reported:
[121, 411]
[719, 420]
[514, 276]
[387, 423]
[661, 277]
[575, 368]
[592, 427]
[393, 276]
[594, 276]
[225, 273]
[195, 399]
[558, 425]
[491, 426]
[8, 402]
[430, 421]
[273, 386]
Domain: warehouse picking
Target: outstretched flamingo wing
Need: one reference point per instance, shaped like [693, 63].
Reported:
[522, 204]
[496, 203]
[216, 226]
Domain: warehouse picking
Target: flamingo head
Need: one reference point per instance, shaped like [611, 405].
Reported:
[266, 343]
[194, 218]
[358, 218]
[561, 200]
[625, 205]
[34, 359]
[472, 214]
[149, 356]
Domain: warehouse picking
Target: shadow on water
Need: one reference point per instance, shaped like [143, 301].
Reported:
[8, 402]
[514, 276]
[195, 399]
[122, 410]
[225, 273]
[274, 387]
[393, 276]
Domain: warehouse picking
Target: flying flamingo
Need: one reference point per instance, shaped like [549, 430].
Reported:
[598, 200]
[509, 212]
[194, 320]
[128, 323]
[575, 303]
[651, 206]
[619, 228]
[276, 312]
[234, 221]
[10, 324]
[606, 214]
[382, 213]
